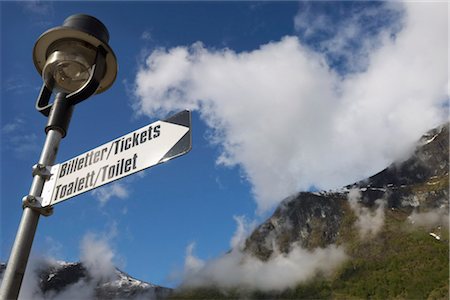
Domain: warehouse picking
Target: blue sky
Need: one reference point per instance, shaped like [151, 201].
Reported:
[285, 97]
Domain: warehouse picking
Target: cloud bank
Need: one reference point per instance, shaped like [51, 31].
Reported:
[290, 121]
[281, 271]
[238, 269]
[432, 218]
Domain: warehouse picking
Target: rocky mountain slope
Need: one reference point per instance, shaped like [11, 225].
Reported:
[317, 219]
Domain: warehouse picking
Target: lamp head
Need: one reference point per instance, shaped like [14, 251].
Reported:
[65, 55]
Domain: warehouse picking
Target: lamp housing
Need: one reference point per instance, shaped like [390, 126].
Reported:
[65, 55]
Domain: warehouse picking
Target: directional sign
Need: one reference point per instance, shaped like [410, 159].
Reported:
[138, 150]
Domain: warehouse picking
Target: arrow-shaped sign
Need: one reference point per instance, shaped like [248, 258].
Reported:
[138, 150]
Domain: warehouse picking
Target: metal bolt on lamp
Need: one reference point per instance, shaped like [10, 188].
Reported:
[75, 61]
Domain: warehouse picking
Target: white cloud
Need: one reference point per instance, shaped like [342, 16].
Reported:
[436, 217]
[30, 286]
[118, 189]
[147, 35]
[76, 291]
[281, 271]
[14, 126]
[290, 122]
[18, 139]
[38, 7]
[347, 36]
[238, 269]
[17, 86]
[191, 262]
[40, 13]
[369, 222]
[105, 193]
[97, 257]
[244, 228]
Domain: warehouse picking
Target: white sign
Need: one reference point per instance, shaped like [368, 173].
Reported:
[131, 153]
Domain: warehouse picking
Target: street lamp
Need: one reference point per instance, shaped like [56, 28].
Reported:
[67, 55]
[75, 62]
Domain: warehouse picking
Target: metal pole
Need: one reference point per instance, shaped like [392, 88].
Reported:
[15, 270]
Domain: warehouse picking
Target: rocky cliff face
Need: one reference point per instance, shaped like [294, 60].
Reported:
[313, 220]
[310, 219]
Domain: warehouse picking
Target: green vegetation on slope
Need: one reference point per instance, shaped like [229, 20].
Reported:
[401, 262]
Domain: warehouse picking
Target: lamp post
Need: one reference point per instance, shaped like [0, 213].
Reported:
[75, 62]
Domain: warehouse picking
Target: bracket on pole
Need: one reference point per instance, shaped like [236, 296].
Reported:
[34, 203]
[41, 170]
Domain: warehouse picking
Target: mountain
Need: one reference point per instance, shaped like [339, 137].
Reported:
[406, 255]
[57, 278]
[317, 219]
